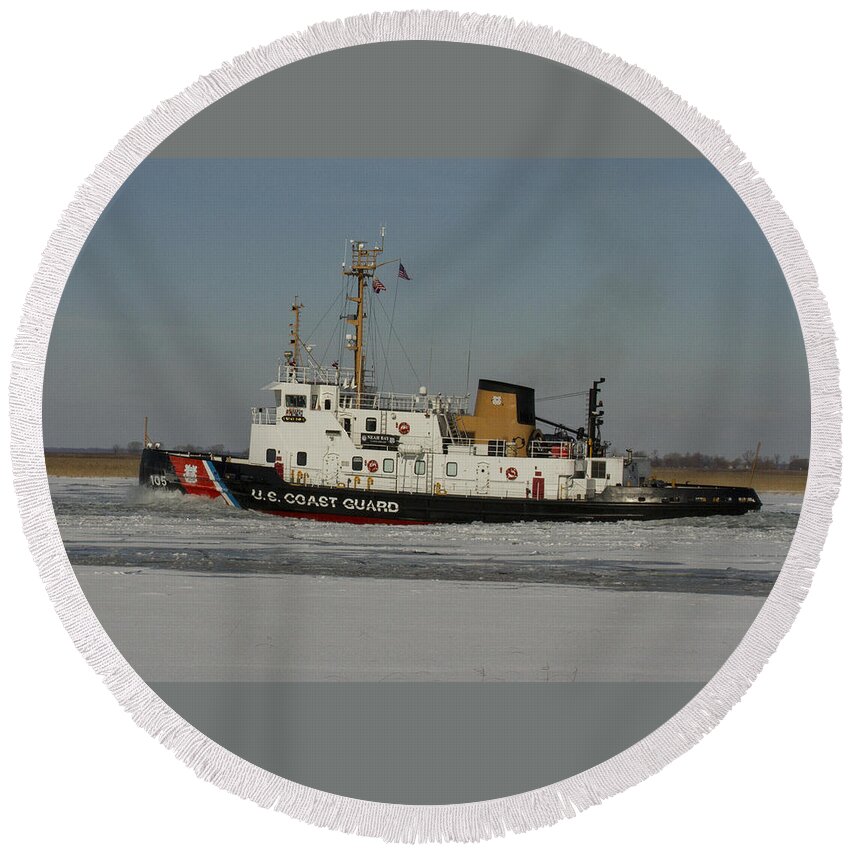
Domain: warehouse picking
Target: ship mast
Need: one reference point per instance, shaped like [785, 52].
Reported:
[294, 333]
[364, 261]
[595, 446]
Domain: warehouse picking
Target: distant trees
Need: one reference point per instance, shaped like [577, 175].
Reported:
[694, 460]
[132, 448]
[217, 449]
[698, 460]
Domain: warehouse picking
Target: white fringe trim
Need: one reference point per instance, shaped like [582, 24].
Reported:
[470, 821]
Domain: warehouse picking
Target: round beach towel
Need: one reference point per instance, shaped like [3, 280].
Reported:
[425, 407]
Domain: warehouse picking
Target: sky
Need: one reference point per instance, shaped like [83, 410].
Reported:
[550, 270]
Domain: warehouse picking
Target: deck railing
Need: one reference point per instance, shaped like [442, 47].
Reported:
[557, 449]
[403, 402]
[263, 415]
[342, 376]
[370, 398]
[509, 448]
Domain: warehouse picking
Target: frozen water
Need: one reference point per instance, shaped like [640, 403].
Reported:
[192, 590]
[115, 523]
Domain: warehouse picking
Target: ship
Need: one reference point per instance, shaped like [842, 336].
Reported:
[335, 447]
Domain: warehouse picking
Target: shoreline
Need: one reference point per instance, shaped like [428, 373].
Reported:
[764, 480]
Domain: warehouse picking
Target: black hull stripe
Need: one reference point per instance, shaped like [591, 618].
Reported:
[260, 488]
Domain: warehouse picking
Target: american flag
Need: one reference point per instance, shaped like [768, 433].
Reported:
[378, 286]
[402, 272]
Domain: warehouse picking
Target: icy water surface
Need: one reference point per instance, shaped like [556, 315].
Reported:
[116, 525]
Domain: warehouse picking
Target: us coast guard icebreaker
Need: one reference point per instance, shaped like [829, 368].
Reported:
[334, 447]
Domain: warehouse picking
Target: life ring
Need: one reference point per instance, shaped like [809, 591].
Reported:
[403, 428]
[372, 466]
[519, 442]
[511, 473]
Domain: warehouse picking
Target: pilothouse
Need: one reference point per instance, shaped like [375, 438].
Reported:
[335, 447]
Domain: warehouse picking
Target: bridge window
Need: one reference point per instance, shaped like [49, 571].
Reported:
[389, 464]
[271, 454]
[597, 469]
[419, 467]
[296, 401]
[371, 423]
[301, 459]
[451, 469]
[357, 463]
[346, 423]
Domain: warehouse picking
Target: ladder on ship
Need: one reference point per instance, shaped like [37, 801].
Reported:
[429, 472]
[449, 429]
